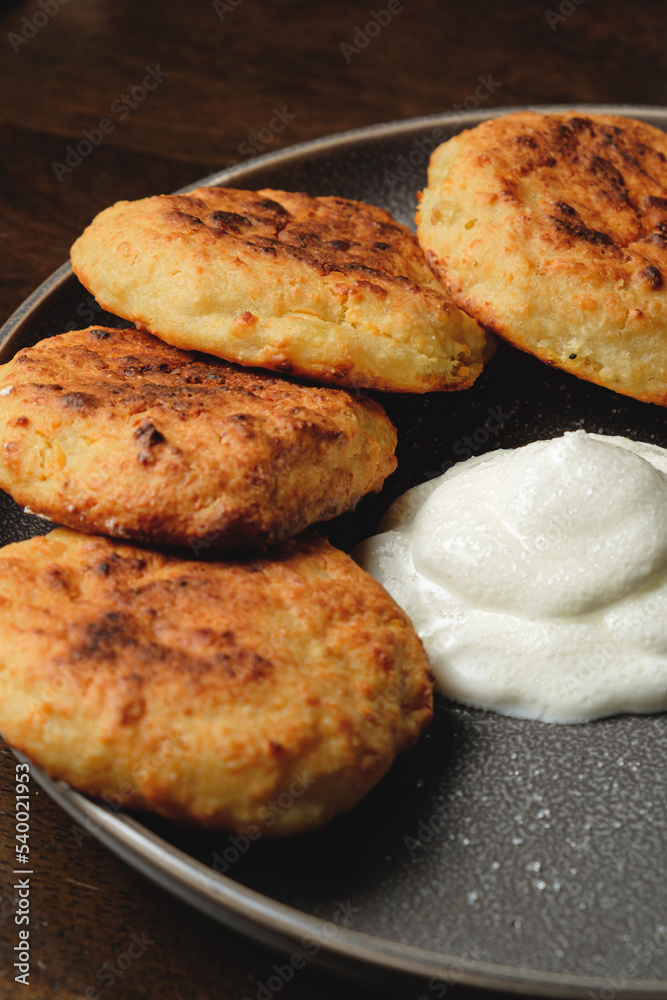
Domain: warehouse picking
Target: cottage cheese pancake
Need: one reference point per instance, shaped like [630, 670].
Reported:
[551, 230]
[271, 693]
[115, 432]
[325, 288]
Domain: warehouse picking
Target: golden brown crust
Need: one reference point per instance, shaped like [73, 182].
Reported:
[325, 288]
[205, 690]
[551, 229]
[113, 431]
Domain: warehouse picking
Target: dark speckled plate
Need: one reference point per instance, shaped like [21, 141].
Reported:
[497, 853]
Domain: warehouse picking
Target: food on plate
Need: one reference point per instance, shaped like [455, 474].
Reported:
[116, 432]
[551, 230]
[537, 577]
[207, 690]
[324, 288]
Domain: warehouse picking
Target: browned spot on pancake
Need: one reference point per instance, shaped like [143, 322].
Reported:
[133, 711]
[84, 402]
[581, 232]
[57, 577]
[105, 638]
[244, 424]
[49, 386]
[131, 365]
[330, 235]
[509, 189]
[371, 286]
[182, 219]
[230, 220]
[547, 161]
[148, 437]
[263, 246]
[579, 124]
[652, 276]
[272, 206]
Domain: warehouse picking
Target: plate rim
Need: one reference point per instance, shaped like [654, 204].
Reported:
[254, 914]
[390, 128]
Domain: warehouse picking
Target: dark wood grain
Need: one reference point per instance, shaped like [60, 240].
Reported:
[224, 80]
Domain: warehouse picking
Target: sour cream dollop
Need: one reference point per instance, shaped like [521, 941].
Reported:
[537, 577]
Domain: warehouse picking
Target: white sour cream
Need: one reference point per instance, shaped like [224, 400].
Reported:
[537, 578]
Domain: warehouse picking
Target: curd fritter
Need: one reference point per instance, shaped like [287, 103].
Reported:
[115, 432]
[240, 678]
[325, 288]
[551, 230]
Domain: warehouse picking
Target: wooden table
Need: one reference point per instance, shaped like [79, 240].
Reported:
[169, 93]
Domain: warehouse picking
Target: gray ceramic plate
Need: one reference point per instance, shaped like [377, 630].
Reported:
[498, 853]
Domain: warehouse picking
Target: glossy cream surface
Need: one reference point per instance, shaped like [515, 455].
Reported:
[537, 577]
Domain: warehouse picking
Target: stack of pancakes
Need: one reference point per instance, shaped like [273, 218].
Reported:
[280, 664]
[207, 689]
